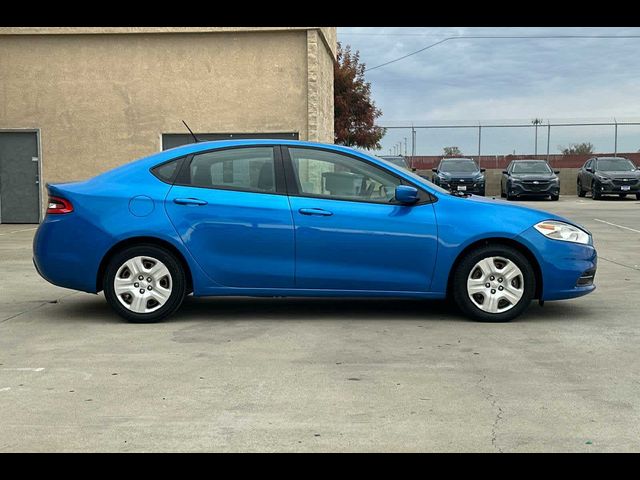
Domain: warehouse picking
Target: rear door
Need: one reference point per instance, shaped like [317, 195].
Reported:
[232, 213]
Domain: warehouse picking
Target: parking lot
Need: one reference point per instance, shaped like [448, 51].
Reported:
[242, 374]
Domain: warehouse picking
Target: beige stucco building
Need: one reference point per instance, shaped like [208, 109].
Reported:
[96, 97]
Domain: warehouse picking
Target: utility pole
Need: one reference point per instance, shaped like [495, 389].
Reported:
[405, 146]
[413, 141]
[615, 144]
[548, 138]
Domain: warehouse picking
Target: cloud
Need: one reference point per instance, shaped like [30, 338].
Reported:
[472, 80]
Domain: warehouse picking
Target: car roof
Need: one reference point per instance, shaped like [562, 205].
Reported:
[158, 158]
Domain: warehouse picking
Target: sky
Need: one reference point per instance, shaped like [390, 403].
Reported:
[502, 81]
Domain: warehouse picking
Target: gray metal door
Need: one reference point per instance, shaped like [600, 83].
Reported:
[19, 198]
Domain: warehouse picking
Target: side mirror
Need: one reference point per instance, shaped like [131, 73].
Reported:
[406, 194]
[505, 172]
[434, 170]
[557, 172]
[482, 170]
[590, 170]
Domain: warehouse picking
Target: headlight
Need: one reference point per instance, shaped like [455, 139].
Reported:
[562, 231]
[602, 178]
[555, 180]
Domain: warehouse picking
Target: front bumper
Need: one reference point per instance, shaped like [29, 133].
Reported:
[475, 188]
[542, 190]
[567, 268]
[616, 188]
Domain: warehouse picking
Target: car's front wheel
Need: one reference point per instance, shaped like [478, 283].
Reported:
[494, 283]
[144, 283]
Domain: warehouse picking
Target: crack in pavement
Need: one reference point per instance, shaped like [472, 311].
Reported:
[494, 403]
[600, 257]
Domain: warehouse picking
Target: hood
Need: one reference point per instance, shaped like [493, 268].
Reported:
[520, 215]
[461, 175]
[619, 175]
[534, 176]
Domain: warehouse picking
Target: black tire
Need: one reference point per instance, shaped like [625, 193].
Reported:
[581, 192]
[510, 197]
[463, 270]
[594, 193]
[178, 283]
[482, 193]
[622, 195]
[637, 196]
[555, 198]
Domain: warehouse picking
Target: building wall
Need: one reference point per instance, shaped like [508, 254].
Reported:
[101, 97]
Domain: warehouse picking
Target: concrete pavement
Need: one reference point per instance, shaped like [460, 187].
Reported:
[325, 375]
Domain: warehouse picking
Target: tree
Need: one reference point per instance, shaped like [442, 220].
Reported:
[577, 148]
[452, 152]
[354, 110]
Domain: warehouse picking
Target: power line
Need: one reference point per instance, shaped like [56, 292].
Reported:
[498, 37]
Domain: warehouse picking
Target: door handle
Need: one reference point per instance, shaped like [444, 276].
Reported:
[315, 211]
[189, 201]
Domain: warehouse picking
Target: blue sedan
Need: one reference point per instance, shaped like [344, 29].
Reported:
[287, 218]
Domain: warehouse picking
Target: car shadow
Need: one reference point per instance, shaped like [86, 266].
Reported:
[95, 309]
[615, 198]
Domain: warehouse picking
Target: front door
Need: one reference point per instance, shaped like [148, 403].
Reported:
[230, 210]
[19, 197]
[350, 232]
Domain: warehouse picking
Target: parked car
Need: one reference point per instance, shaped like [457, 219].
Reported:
[609, 176]
[460, 175]
[279, 218]
[529, 178]
[398, 160]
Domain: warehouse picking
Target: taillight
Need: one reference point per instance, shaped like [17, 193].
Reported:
[59, 205]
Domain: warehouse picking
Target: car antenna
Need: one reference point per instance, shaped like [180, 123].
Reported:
[192, 134]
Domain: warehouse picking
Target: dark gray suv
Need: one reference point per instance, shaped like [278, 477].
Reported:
[609, 176]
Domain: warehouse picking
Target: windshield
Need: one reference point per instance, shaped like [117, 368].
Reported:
[459, 165]
[530, 167]
[615, 165]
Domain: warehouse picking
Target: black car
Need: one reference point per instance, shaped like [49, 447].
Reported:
[609, 176]
[459, 175]
[398, 160]
[529, 178]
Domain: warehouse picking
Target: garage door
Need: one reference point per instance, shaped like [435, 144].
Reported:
[19, 197]
[171, 140]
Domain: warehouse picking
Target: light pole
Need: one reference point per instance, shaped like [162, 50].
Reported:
[536, 122]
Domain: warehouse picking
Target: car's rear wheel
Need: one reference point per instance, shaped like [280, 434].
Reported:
[144, 283]
[494, 283]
